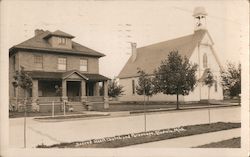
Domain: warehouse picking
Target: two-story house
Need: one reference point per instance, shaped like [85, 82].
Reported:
[60, 68]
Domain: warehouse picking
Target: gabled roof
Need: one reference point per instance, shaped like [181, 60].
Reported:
[69, 73]
[149, 57]
[40, 43]
[60, 34]
[61, 75]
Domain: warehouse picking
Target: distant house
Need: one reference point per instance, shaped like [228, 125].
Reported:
[197, 47]
[61, 69]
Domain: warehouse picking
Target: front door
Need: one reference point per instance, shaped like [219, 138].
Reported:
[90, 89]
[74, 91]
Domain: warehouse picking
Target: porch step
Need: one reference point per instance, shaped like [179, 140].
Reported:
[204, 101]
[78, 106]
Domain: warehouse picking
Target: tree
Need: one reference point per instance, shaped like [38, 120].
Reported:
[175, 76]
[23, 80]
[145, 84]
[231, 79]
[145, 87]
[209, 81]
[114, 90]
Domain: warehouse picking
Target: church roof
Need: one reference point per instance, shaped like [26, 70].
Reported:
[149, 57]
[40, 43]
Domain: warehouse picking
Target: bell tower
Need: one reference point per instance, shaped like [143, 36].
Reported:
[199, 18]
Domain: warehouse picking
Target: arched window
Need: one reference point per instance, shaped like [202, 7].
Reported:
[215, 84]
[205, 60]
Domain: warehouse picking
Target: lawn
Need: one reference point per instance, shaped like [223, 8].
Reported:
[37, 114]
[145, 137]
[70, 116]
[135, 106]
[231, 143]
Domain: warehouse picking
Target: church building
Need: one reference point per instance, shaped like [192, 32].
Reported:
[197, 47]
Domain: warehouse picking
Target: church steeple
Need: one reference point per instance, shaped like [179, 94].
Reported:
[199, 18]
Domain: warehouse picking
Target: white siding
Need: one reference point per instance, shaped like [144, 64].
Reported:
[129, 96]
[200, 91]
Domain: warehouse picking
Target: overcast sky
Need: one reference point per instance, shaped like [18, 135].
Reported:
[108, 27]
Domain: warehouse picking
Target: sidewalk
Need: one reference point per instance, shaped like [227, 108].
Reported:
[100, 114]
[183, 108]
[191, 141]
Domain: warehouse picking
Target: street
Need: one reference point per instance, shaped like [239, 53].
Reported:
[76, 130]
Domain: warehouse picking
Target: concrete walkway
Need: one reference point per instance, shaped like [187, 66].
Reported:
[79, 130]
[192, 141]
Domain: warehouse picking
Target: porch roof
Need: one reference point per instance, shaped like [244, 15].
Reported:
[60, 75]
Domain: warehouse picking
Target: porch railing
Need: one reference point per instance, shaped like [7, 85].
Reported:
[49, 99]
[74, 99]
[95, 98]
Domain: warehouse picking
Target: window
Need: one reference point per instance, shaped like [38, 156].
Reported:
[83, 65]
[14, 92]
[38, 60]
[215, 84]
[205, 61]
[61, 63]
[133, 86]
[14, 63]
[62, 41]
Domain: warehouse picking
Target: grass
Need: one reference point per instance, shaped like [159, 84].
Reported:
[136, 106]
[147, 136]
[37, 114]
[231, 143]
[70, 117]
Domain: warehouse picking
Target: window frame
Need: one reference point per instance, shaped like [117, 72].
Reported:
[80, 65]
[215, 84]
[14, 62]
[38, 62]
[62, 41]
[133, 87]
[58, 63]
[205, 60]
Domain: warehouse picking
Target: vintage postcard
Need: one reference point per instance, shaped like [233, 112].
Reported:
[125, 78]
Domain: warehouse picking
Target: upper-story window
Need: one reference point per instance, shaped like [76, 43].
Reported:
[62, 63]
[62, 41]
[205, 60]
[38, 60]
[83, 65]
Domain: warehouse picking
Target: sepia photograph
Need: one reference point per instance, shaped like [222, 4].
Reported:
[124, 78]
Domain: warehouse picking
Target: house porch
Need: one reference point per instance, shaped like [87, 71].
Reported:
[74, 88]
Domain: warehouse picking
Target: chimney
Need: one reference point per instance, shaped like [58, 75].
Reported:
[134, 53]
[38, 31]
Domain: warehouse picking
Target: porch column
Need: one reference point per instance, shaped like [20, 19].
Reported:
[106, 98]
[64, 90]
[35, 106]
[96, 90]
[34, 89]
[83, 91]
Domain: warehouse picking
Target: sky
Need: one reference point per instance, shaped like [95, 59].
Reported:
[110, 26]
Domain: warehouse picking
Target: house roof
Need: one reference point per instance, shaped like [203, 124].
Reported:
[149, 57]
[40, 43]
[59, 33]
[61, 75]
